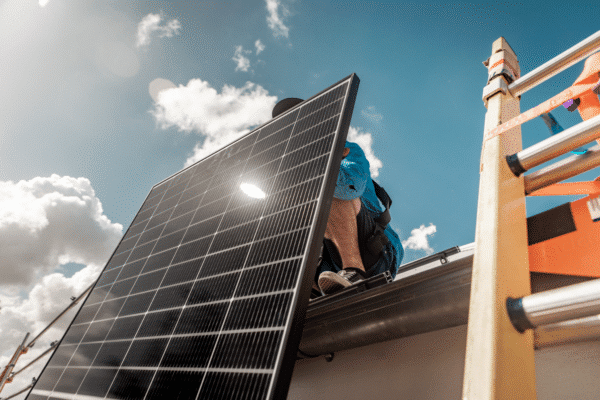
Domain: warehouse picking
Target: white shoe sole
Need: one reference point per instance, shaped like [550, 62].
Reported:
[330, 282]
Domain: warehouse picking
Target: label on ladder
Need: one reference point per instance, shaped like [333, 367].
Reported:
[594, 207]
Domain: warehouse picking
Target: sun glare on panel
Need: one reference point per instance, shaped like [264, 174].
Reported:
[43, 3]
[252, 191]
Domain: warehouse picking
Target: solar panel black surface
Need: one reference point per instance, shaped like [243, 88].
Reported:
[204, 298]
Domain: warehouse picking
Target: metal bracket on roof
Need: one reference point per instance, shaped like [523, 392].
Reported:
[442, 257]
[328, 356]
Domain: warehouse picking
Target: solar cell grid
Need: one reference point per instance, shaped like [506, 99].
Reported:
[111, 353]
[117, 260]
[130, 269]
[168, 241]
[199, 296]
[135, 230]
[109, 309]
[169, 297]
[84, 355]
[201, 318]
[125, 328]
[159, 323]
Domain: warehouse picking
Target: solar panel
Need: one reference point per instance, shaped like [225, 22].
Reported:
[205, 295]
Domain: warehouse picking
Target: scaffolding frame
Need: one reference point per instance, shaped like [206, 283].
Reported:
[7, 375]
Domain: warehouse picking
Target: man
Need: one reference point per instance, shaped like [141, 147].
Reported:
[358, 243]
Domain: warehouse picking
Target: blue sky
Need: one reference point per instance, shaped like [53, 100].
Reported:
[82, 140]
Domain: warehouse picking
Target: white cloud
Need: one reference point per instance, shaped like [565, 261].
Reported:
[49, 221]
[151, 23]
[19, 316]
[275, 20]
[218, 117]
[243, 63]
[365, 141]
[46, 222]
[371, 114]
[259, 46]
[419, 240]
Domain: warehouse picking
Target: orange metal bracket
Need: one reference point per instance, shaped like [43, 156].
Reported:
[589, 106]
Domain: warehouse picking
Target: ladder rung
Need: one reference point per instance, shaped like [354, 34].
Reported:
[556, 305]
[561, 143]
[563, 169]
[556, 65]
[571, 331]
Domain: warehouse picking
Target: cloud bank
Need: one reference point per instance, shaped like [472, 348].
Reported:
[46, 222]
[219, 118]
[49, 221]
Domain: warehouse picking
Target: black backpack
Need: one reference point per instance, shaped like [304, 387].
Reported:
[378, 240]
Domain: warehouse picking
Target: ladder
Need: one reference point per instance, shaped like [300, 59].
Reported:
[499, 362]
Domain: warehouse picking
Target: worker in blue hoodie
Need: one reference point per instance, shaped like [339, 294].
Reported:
[359, 242]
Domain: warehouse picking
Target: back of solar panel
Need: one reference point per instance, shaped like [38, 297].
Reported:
[205, 296]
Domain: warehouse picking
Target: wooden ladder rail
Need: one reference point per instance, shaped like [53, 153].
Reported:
[499, 360]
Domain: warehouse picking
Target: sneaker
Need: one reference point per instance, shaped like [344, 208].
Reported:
[330, 282]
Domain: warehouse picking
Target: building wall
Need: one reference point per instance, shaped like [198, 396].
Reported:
[430, 366]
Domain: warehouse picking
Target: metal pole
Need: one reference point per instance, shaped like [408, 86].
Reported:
[561, 170]
[18, 393]
[561, 143]
[38, 358]
[557, 305]
[556, 65]
[61, 315]
[12, 362]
